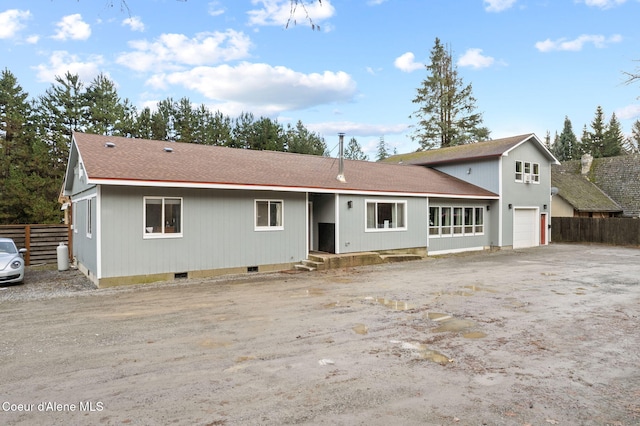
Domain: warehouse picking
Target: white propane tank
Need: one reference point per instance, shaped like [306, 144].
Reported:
[63, 257]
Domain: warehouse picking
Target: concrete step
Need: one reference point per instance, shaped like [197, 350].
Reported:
[300, 267]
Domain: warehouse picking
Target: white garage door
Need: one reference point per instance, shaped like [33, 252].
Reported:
[525, 228]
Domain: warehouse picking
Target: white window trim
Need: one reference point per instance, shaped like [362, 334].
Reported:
[385, 201]
[268, 227]
[89, 221]
[157, 235]
[452, 234]
[529, 177]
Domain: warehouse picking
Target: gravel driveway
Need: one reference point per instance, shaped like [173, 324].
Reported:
[539, 336]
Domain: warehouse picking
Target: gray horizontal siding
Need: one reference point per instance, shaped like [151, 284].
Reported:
[218, 232]
[353, 237]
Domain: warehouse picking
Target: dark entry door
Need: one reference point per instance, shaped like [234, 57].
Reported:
[327, 237]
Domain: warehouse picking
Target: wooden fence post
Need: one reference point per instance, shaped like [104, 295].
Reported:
[27, 244]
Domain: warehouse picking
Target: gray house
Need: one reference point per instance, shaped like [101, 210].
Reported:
[147, 210]
[517, 168]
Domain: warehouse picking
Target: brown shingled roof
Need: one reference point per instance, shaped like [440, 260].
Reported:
[145, 162]
[583, 195]
[473, 151]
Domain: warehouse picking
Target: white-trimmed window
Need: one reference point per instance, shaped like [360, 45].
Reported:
[386, 215]
[458, 221]
[89, 219]
[527, 172]
[269, 215]
[162, 217]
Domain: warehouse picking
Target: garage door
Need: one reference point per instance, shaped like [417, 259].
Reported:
[525, 228]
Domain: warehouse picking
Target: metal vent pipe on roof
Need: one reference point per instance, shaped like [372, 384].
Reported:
[340, 176]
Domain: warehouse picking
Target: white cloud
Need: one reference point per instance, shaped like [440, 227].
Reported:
[474, 58]
[604, 4]
[61, 62]
[498, 5]
[407, 62]
[173, 51]
[135, 23]
[278, 12]
[262, 86]
[628, 112]
[375, 2]
[353, 129]
[577, 44]
[215, 9]
[12, 21]
[33, 39]
[72, 27]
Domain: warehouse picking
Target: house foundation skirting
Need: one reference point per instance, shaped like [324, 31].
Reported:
[170, 276]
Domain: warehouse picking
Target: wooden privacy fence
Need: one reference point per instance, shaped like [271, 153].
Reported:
[616, 230]
[41, 241]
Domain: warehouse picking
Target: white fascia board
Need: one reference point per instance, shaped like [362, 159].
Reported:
[167, 184]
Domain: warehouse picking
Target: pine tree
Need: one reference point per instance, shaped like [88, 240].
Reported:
[613, 138]
[383, 152]
[28, 188]
[597, 134]
[632, 143]
[446, 114]
[105, 111]
[300, 140]
[354, 151]
[564, 146]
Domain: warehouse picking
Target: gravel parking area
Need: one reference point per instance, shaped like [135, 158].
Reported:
[540, 336]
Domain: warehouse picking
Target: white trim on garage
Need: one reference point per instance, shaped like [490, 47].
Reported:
[526, 227]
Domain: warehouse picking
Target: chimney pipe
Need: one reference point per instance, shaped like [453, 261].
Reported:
[340, 176]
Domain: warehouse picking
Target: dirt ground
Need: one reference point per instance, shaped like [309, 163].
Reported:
[541, 336]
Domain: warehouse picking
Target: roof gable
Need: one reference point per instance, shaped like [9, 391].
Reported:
[124, 161]
[471, 152]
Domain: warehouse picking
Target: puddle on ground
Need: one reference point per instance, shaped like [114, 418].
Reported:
[210, 343]
[361, 329]
[447, 323]
[479, 288]
[435, 316]
[474, 335]
[427, 354]
[396, 305]
[454, 325]
[315, 292]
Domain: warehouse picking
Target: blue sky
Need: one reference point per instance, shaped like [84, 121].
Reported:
[531, 62]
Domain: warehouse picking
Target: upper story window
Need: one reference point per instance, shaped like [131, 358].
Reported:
[385, 215]
[269, 215]
[162, 217]
[527, 172]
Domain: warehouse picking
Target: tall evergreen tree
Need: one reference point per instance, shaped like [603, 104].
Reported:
[302, 141]
[447, 113]
[354, 151]
[105, 111]
[564, 147]
[28, 188]
[597, 135]
[613, 138]
[632, 143]
[382, 151]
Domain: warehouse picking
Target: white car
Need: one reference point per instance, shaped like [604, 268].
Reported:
[11, 262]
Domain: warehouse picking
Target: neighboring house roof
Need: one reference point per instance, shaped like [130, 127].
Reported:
[619, 177]
[470, 152]
[141, 162]
[583, 195]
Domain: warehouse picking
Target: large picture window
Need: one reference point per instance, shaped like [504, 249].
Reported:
[448, 221]
[162, 217]
[269, 215]
[384, 215]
